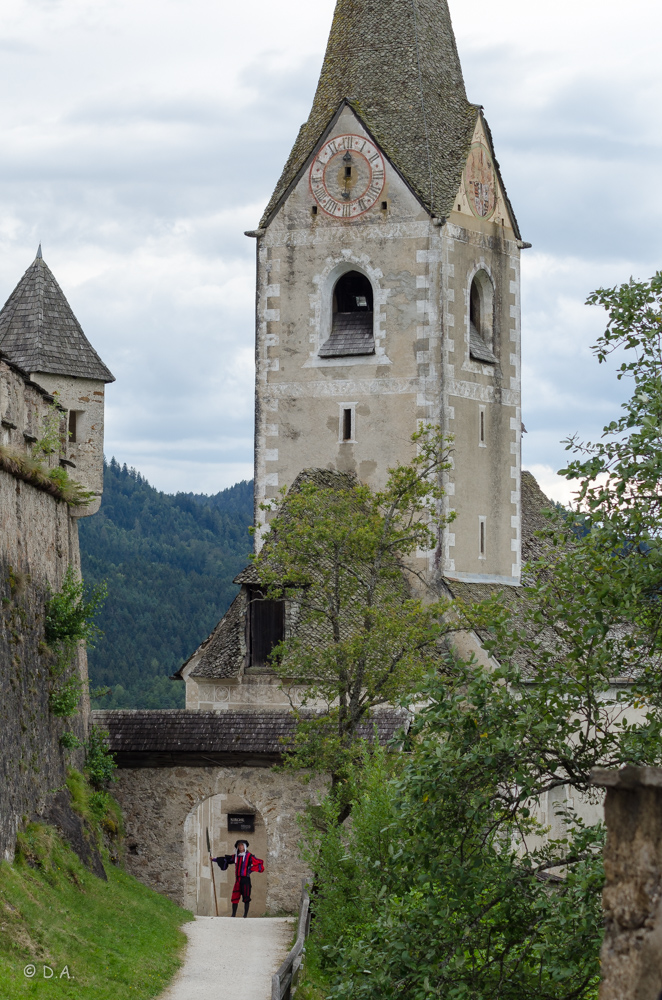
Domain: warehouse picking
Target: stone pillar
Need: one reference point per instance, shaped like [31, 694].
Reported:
[632, 897]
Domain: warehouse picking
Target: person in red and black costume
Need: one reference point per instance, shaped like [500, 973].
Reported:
[245, 864]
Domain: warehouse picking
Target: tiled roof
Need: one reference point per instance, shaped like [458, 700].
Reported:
[352, 334]
[203, 739]
[39, 332]
[222, 653]
[396, 64]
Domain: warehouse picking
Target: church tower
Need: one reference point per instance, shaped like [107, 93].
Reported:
[388, 278]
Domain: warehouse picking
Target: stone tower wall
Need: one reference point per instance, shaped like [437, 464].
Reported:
[38, 541]
[421, 271]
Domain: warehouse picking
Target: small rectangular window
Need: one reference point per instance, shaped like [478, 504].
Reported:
[72, 426]
[314, 210]
[384, 206]
[482, 541]
[347, 425]
[348, 172]
[481, 427]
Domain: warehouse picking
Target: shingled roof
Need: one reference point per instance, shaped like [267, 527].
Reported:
[39, 332]
[223, 653]
[395, 63]
[204, 739]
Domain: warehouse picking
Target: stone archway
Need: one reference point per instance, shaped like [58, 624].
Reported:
[212, 814]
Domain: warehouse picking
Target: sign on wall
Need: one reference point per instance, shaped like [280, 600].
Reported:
[241, 823]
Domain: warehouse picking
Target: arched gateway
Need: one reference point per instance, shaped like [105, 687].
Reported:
[180, 772]
[226, 817]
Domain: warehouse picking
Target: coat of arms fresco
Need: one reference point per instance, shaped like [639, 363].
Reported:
[479, 182]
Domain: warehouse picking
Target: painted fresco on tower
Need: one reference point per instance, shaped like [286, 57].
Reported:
[479, 182]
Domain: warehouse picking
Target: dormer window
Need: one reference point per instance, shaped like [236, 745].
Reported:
[266, 623]
[352, 331]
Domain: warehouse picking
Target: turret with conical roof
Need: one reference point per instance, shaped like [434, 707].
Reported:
[388, 272]
[40, 334]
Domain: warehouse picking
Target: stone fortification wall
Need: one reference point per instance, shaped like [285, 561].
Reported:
[163, 851]
[632, 897]
[38, 541]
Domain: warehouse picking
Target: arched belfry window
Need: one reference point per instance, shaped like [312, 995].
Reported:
[353, 318]
[481, 319]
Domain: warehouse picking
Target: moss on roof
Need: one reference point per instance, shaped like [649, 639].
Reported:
[395, 63]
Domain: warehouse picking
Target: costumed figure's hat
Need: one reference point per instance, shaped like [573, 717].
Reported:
[238, 842]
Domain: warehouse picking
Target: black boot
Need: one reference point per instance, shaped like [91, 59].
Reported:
[234, 909]
[246, 905]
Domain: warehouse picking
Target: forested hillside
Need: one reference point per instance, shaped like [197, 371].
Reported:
[169, 562]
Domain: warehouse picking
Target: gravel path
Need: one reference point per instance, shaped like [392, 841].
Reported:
[230, 959]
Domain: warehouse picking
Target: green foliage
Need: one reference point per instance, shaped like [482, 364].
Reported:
[345, 556]
[118, 938]
[35, 466]
[70, 741]
[95, 806]
[169, 562]
[69, 620]
[99, 761]
[619, 477]
[65, 697]
[494, 881]
[69, 617]
[52, 437]
[441, 886]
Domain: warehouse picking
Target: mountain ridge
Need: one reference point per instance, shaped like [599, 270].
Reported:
[169, 561]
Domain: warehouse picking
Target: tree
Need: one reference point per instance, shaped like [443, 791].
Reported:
[342, 555]
[470, 896]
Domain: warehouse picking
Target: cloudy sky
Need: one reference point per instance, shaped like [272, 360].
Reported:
[139, 139]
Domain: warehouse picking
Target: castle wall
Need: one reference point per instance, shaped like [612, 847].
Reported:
[421, 271]
[632, 897]
[38, 541]
[162, 814]
[85, 397]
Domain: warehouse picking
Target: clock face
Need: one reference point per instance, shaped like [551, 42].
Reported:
[480, 182]
[347, 176]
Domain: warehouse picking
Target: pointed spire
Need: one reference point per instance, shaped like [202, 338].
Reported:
[39, 332]
[395, 62]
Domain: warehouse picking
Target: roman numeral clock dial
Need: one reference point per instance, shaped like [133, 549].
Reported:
[347, 176]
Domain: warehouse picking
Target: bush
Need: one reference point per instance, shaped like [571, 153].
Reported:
[99, 761]
[69, 617]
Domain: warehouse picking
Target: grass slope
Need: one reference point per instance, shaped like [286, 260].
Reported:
[169, 562]
[117, 939]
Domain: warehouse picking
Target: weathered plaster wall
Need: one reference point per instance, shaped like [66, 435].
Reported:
[158, 801]
[632, 897]
[421, 272]
[86, 398]
[248, 692]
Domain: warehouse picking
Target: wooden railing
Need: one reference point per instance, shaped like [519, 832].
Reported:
[286, 977]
